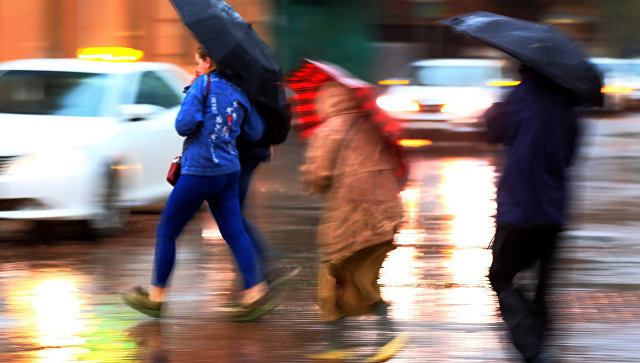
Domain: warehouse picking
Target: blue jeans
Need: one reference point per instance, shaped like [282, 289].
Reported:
[221, 194]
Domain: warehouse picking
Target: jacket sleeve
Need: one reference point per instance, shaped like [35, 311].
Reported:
[497, 122]
[321, 154]
[253, 125]
[190, 114]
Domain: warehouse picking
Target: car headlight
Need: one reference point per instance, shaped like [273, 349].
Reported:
[612, 88]
[469, 106]
[397, 104]
[48, 164]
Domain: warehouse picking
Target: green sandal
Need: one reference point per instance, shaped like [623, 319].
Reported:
[263, 305]
[137, 298]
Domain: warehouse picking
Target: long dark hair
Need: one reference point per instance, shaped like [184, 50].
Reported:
[203, 53]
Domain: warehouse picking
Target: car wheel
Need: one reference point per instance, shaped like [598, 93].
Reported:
[112, 217]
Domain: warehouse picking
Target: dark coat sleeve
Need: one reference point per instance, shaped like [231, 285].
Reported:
[496, 120]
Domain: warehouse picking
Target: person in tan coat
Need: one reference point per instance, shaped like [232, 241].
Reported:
[351, 166]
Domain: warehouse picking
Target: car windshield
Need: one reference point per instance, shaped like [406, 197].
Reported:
[454, 76]
[634, 69]
[613, 68]
[51, 93]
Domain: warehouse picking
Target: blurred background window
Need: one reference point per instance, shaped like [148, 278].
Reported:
[51, 93]
[154, 91]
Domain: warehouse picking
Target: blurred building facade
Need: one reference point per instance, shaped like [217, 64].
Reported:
[372, 38]
[57, 28]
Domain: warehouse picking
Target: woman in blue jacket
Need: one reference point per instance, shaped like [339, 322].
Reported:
[210, 172]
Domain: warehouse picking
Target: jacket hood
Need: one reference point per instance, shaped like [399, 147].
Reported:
[335, 99]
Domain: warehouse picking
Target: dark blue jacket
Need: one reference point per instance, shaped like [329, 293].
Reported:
[252, 152]
[537, 123]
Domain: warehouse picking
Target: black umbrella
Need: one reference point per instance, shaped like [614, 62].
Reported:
[236, 48]
[540, 46]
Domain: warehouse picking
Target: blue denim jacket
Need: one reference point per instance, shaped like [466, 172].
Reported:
[228, 112]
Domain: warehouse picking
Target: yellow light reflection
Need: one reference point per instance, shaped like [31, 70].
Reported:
[49, 315]
[389, 82]
[57, 312]
[400, 273]
[468, 194]
[113, 54]
[48, 305]
[210, 231]
[414, 142]
[470, 305]
[127, 167]
[410, 233]
[408, 236]
[468, 266]
[60, 354]
[411, 205]
[399, 277]
[611, 88]
[503, 83]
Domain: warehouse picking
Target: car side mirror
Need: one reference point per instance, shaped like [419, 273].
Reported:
[134, 113]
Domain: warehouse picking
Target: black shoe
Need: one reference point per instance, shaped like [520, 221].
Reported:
[542, 357]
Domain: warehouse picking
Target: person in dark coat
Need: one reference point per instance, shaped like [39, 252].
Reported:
[538, 125]
[251, 155]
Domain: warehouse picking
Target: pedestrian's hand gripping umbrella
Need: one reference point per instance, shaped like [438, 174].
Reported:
[236, 48]
[306, 81]
[539, 46]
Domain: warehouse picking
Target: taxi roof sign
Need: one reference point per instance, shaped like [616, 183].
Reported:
[113, 54]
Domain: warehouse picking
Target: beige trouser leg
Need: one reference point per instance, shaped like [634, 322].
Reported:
[350, 287]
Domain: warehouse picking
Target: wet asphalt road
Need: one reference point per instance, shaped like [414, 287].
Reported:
[59, 297]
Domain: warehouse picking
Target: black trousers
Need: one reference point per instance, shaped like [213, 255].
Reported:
[515, 249]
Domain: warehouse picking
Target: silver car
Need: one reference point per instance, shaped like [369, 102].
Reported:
[445, 98]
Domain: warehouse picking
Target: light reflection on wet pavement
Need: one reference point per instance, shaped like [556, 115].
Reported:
[59, 299]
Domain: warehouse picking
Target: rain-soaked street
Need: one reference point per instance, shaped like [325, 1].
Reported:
[59, 297]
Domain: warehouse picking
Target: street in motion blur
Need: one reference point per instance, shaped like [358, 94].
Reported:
[58, 290]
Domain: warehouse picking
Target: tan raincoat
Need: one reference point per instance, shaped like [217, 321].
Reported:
[348, 162]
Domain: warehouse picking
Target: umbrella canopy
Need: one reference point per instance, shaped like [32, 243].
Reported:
[236, 48]
[539, 46]
[306, 81]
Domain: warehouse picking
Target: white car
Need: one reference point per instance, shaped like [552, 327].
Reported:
[615, 77]
[86, 140]
[444, 97]
[631, 84]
